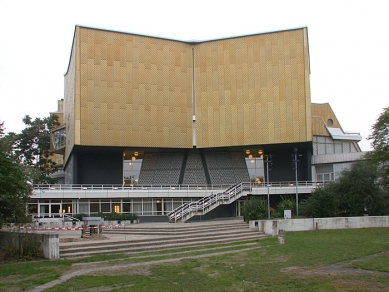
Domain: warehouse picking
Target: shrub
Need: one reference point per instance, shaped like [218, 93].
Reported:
[80, 216]
[254, 209]
[110, 216]
[355, 193]
[323, 202]
[288, 202]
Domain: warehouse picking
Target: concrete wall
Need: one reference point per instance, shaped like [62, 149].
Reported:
[272, 227]
[49, 243]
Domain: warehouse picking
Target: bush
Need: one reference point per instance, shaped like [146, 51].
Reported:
[288, 202]
[110, 216]
[323, 202]
[355, 193]
[254, 209]
[80, 216]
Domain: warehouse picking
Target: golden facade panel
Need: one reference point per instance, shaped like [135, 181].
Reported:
[262, 81]
[323, 117]
[69, 101]
[137, 91]
[121, 91]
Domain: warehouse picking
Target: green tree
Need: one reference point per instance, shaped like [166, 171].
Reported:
[361, 193]
[6, 141]
[14, 188]
[14, 191]
[355, 193]
[380, 144]
[24, 158]
[32, 148]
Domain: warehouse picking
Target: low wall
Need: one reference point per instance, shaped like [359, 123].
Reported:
[59, 224]
[49, 243]
[272, 227]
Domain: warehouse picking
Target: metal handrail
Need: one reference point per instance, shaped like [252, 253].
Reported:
[230, 194]
[114, 187]
[126, 187]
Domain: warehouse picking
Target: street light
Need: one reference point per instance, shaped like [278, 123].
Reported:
[295, 160]
[268, 161]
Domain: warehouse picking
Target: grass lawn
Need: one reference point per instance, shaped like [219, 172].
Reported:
[303, 263]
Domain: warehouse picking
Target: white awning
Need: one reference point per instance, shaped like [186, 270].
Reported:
[338, 134]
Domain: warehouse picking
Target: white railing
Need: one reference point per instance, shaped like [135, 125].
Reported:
[127, 187]
[208, 203]
[114, 187]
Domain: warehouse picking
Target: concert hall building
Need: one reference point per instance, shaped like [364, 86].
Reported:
[146, 112]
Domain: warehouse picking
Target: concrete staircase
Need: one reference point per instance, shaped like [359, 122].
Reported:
[210, 202]
[162, 236]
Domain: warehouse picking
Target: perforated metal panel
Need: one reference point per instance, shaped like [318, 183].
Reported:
[253, 90]
[322, 113]
[135, 90]
[70, 97]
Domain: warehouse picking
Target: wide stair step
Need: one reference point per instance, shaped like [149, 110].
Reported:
[152, 237]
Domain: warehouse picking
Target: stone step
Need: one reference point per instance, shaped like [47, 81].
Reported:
[159, 236]
[150, 239]
[159, 245]
[186, 226]
[172, 231]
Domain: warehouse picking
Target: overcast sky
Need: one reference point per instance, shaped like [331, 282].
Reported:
[348, 45]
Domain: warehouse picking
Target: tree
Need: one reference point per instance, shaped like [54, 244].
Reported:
[24, 158]
[32, 148]
[380, 144]
[14, 189]
[6, 141]
[355, 193]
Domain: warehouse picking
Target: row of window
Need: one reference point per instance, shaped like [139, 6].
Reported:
[141, 207]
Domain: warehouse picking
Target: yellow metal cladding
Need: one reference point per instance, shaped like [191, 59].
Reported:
[134, 90]
[253, 90]
[321, 114]
[70, 98]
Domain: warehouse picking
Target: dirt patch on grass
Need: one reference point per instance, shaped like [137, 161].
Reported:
[128, 271]
[293, 269]
[105, 288]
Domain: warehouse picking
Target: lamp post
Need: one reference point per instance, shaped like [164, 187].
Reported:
[295, 160]
[268, 162]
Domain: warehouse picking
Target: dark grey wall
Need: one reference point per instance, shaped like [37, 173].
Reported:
[222, 211]
[104, 165]
[282, 162]
[99, 167]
